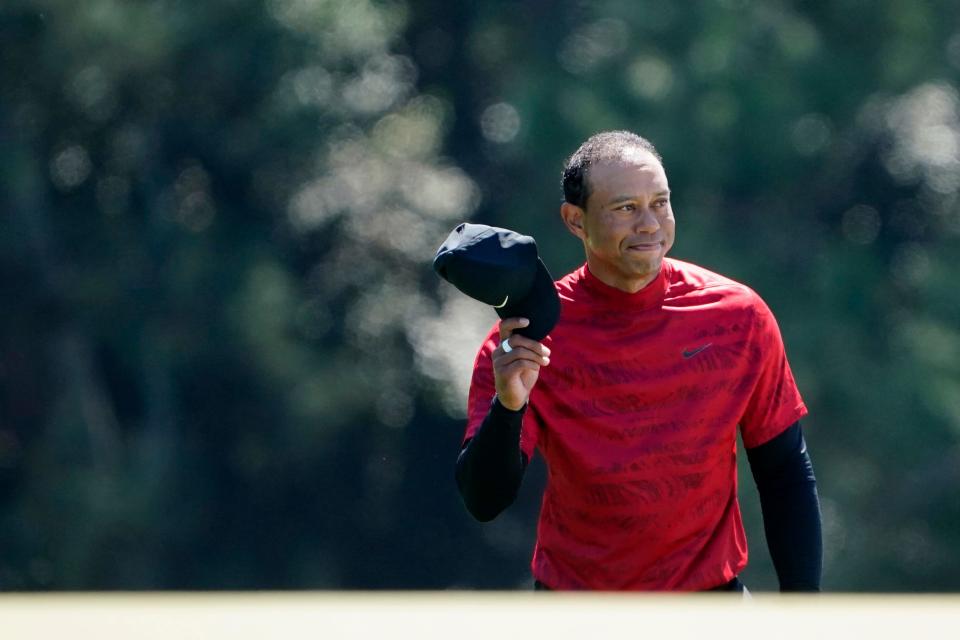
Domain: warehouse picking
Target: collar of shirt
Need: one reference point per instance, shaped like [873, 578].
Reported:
[651, 295]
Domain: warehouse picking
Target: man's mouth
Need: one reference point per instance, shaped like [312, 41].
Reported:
[645, 246]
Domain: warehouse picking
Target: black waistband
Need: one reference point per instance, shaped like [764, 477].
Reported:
[732, 585]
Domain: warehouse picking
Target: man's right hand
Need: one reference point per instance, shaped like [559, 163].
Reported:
[515, 372]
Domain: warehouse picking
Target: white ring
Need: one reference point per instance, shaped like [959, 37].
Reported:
[506, 346]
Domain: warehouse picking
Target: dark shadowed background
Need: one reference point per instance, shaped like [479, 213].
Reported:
[225, 361]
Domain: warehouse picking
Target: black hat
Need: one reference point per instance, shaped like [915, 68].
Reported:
[501, 268]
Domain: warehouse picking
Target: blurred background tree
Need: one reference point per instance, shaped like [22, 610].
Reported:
[226, 363]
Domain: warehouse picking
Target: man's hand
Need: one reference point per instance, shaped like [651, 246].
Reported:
[516, 371]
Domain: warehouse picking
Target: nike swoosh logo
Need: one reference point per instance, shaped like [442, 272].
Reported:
[502, 304]
[692, 352]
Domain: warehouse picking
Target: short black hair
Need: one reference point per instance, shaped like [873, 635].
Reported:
[606, 145]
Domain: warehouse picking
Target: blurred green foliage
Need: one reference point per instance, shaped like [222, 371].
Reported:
[226, 363]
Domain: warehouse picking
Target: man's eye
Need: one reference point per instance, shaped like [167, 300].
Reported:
[626, 207]
[660, 203]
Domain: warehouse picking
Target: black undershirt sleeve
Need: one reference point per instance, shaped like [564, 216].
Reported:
[490, 466]
[791, 509]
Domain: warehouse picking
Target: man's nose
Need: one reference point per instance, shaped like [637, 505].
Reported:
[646, 221]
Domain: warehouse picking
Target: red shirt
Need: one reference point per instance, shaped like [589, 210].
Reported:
[637, 416]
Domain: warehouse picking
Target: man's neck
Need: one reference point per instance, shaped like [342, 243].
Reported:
[623, 282]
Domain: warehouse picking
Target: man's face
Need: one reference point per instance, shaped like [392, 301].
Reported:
[627, 225]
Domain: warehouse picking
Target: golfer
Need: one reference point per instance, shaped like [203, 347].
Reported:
[635, 400]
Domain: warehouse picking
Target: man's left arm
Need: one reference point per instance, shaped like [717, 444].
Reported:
[784, 476]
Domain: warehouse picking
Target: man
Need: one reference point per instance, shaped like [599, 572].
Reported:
[634, 401]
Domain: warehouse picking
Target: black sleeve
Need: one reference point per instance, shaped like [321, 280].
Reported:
[490, 466]
[791, 509]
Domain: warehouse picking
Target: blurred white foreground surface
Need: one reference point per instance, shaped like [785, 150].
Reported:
[480, 615]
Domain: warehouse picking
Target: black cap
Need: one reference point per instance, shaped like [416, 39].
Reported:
[501, 268]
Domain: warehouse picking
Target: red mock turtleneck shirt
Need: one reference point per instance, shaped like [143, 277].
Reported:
[637, 417]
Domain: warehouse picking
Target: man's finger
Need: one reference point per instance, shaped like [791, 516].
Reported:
[508, 325]
[521, 364]
[535, 353]
[511, 343]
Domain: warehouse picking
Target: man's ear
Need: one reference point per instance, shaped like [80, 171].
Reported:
[572, 217]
